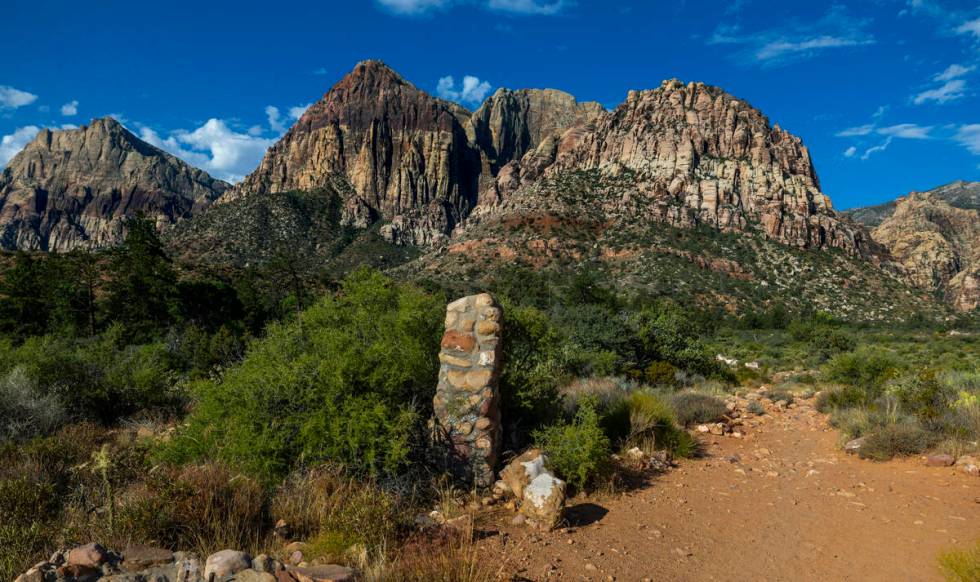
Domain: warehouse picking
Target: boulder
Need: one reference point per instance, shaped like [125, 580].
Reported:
[226, 563]
[968, 464]
[522, 470]
[544, 501]
[854, 447]
[940, 460]
[91, 555]
[328, 573]
[136, 558]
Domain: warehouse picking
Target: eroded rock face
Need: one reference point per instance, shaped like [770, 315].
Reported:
[75, 188]
[467, 403]
[424, 166]
[704, 157]
[406, 154]
[938, 244]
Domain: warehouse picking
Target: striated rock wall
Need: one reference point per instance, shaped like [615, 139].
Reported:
[938, 244]
[422, 165]
[467, 403]
[75, 188]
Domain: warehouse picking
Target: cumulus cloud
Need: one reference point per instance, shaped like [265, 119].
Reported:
[69, 109]
[472, 91]
[518, 7]
[277, 123]
[11, 144]
[794, 41]
[213, 147]
[849, 152]
[298, 111]
[11, 98]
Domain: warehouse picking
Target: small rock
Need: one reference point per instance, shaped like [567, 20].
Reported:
[940, 461]
[519, 519]
[854, 446]
[226, 563]
[328, 573]
[142, 557]
[92, 555]
[969, 464]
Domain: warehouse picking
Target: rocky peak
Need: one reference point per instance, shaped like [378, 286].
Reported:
[405, 153]
[76, 187]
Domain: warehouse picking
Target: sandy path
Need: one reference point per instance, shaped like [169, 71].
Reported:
[783, 503]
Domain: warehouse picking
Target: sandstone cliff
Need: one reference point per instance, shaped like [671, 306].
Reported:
[935, 236]
[75, 188]
[426, 167]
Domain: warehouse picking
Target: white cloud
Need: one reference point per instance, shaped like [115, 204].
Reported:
[794, 41]
[953, 72]
[527, 6]
[298, 111]
[875, 149]
[213, 147]
[519, 7]
[856, 131]
[69, 109]
[11, 144]
[275, 119]
[970, 27]
[473, 90]
[849, 152]
[412, 6]
[68, 126]
[949, 91]
[11, 98]
[969, 137]
[906, 131]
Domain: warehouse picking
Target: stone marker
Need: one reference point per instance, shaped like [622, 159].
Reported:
[466, 403]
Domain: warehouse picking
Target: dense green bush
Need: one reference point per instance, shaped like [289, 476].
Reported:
[579, 450]
[350, 380]
[896, 439]
[653, 426]
[865, 368]
[697, 408]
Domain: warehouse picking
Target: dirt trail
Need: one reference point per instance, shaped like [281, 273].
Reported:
[782, 503]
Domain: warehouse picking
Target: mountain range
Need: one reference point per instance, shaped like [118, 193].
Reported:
[682, 189]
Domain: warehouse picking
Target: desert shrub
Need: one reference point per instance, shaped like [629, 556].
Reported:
[579, 450]
[961, 565]
[865, 368]
[534, 367]
[835, 397]
[896, 439]
[204, 507]
[660, 373]
[439, 556]
[347, 381]
[921, 394]
[653, 426]
[24, 411]
[696, 407]
[755, 407]
[781, 395]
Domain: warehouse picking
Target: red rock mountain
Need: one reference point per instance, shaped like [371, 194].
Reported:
[75, 188]
[426, 167]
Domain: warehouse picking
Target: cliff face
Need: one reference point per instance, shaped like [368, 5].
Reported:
[75, 188]
[406, 154]
[426, 167]
[704, 157]
[938, 242]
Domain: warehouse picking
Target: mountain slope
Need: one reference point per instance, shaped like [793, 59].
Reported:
[75, 188]
[935, 236]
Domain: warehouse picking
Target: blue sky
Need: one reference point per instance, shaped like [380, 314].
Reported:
[884, 92]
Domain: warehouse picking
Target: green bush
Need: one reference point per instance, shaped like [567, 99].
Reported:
[660, 374]
[866, 368]
[579, 450]
[922, 394]
[350, 380]
[697, 408]
[961, 565]
[897, 439]
[836, 397]
[653, 426]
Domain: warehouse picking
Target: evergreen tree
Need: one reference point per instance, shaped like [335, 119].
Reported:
[24, 306]
[142, 289]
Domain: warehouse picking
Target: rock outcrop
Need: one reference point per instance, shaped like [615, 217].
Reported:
[424, 166]
[938, 244]
[406, 154]
[935, 237]
[75, 188]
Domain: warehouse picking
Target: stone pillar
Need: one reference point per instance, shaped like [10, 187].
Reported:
[467, 403]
